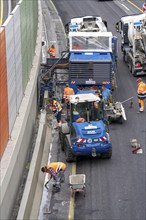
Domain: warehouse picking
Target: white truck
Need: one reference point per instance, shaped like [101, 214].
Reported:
[133, 42]
[86, 24]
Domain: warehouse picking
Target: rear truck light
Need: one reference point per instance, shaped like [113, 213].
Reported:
[138, 64]
[105, 142]
[81, 145]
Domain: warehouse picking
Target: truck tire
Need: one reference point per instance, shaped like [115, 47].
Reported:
[124, 57]
[133, 71]
[63, 130]
[68, 153]
[107, 155]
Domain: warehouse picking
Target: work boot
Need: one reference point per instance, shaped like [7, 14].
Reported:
[140, 111]
[63, 179]
[56, 189]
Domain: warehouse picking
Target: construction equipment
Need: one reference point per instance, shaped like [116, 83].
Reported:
[116, 111]
[92, 56]
[91, 61]
[86, 24]
[133, 35]
[94, 62]
[88, 137]
[77, 183]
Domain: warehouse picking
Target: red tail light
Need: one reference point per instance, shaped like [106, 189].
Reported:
[138, 64]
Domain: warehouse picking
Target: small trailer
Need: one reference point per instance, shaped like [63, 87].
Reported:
[77, 183]
[116, 111]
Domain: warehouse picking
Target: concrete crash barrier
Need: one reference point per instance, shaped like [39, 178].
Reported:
[33, 175]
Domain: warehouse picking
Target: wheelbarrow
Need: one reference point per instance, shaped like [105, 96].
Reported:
[77, 183]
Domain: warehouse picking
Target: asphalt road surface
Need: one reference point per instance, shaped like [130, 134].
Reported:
[115, 188]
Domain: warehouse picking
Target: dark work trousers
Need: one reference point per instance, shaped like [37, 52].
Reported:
[59, 178]
[58, 115]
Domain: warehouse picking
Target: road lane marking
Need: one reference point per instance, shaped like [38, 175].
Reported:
[59, 18]
[1, 12]
[135, 5]
[72, 198]
[125, 7]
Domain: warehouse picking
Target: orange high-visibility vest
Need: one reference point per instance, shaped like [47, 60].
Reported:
[52, 52]
[56, 166]
[141, 88]
[56, 106]
[68, 92]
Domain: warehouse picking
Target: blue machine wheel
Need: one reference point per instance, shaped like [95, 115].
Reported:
[107, 155]
[68, 153]
[61, 137]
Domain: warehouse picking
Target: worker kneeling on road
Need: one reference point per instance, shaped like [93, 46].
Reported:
[57, 110]
[141, 94]
[56, 171]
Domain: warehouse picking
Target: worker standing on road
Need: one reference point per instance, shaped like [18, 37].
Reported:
[66, 95]
[52, 51]
[141, 94]
[56, 171]
[57, 110]
[105, 93]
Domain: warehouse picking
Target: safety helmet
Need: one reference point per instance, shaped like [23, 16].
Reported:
[43, 169]
[139, 79]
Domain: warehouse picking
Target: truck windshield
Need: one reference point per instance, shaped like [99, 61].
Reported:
[100, 43]
[90, 111]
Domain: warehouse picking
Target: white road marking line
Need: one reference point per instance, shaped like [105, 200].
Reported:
[125, 7]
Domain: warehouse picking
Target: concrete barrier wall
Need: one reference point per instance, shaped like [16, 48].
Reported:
[32, 179]
[13, 159]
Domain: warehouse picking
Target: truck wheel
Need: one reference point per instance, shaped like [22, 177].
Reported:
[134, 73]
[120, 120]
[124, 57]
[107, 155]
[68, 154]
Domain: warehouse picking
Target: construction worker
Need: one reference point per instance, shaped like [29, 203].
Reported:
[105, 93]
[66, 95]
[57, 110]
[56, 171]
[141, 94]
[52, 51]
[76, 117]
[76, 46]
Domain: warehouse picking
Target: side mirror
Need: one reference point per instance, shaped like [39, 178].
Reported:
[117, 27]
[67, 28]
